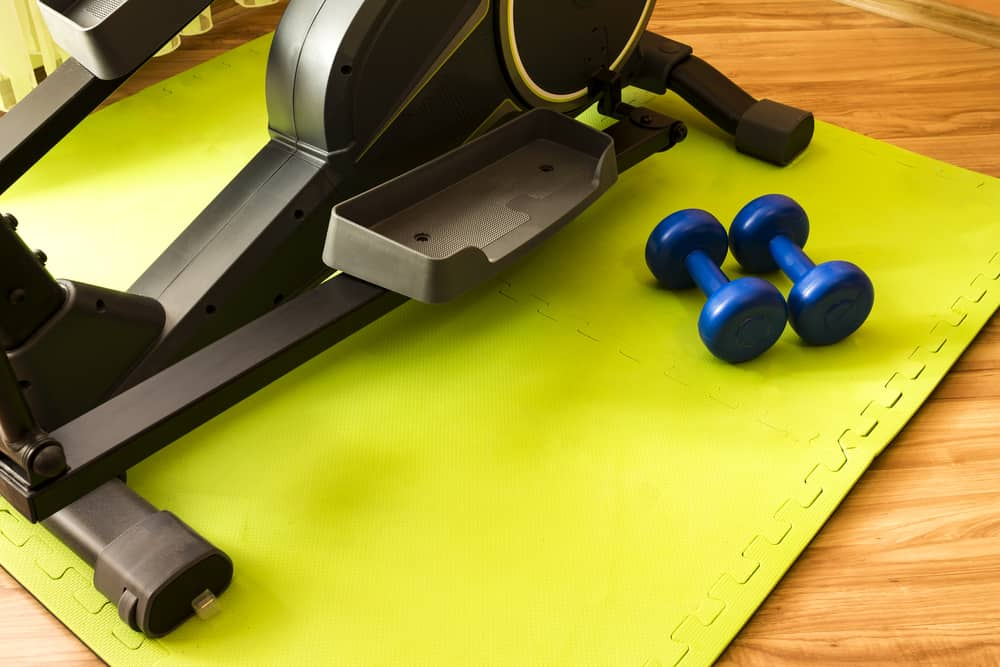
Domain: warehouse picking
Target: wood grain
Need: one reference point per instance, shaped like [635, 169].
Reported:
[942, 15]
[908, 569]
[991, 7]
[234, 25]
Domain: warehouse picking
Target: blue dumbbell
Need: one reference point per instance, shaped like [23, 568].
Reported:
[742, 319]
[829, 302]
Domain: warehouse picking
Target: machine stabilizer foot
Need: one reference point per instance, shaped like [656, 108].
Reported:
[774, 132]
[155, 568]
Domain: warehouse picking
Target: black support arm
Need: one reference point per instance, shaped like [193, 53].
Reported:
[46, 115]
[711, 92]
[764, 129]
[131, 32]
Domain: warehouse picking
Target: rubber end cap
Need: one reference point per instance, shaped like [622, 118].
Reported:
[774, 132]
[155, 569]
[49, 462]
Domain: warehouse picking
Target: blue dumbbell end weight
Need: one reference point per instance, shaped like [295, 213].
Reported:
[828, 302]
[741, 319]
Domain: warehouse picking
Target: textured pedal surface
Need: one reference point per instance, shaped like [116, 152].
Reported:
[94, 9]
[483, 208]
[551, 471]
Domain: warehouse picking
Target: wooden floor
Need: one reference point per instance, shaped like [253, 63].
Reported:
[991, 7]
[908, 570]
[976, 20]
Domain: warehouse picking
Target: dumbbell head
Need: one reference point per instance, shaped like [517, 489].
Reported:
[759, 222]
[677, 237]
[741, 319]
[830, 303]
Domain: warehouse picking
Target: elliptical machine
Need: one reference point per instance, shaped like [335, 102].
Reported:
[420, 148]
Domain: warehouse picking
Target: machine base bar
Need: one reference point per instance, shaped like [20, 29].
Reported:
[120, 433]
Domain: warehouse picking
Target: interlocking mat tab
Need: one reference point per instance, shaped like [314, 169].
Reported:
[551, 471]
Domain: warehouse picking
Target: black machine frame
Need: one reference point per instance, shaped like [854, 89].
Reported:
[177, 359]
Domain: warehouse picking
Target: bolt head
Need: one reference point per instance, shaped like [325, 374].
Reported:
[16, 296]
[49, 461]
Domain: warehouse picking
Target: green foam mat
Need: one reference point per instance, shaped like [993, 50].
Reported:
[551, 471]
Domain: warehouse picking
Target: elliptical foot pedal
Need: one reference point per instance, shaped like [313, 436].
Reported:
[111, 38]
[454, 223]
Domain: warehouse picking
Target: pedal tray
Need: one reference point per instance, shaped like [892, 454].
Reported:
[453, 223]
[111, 38]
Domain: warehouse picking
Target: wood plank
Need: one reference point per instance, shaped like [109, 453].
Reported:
[234, 25]
[946, 16]
[991, 7]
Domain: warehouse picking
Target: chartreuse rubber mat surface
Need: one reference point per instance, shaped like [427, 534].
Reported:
[551, 471]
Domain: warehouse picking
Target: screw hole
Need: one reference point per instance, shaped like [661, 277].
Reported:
[299, 214]
[347, 70]
[17, 296]
[547, 168]
[422, 237]
[210, 309]
[279, 299]
[25, 385]
[101, 306]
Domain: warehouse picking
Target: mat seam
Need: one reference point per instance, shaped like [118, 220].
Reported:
[910, 370]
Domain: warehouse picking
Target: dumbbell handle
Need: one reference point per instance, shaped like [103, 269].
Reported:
[790, 257]
[705, 273]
